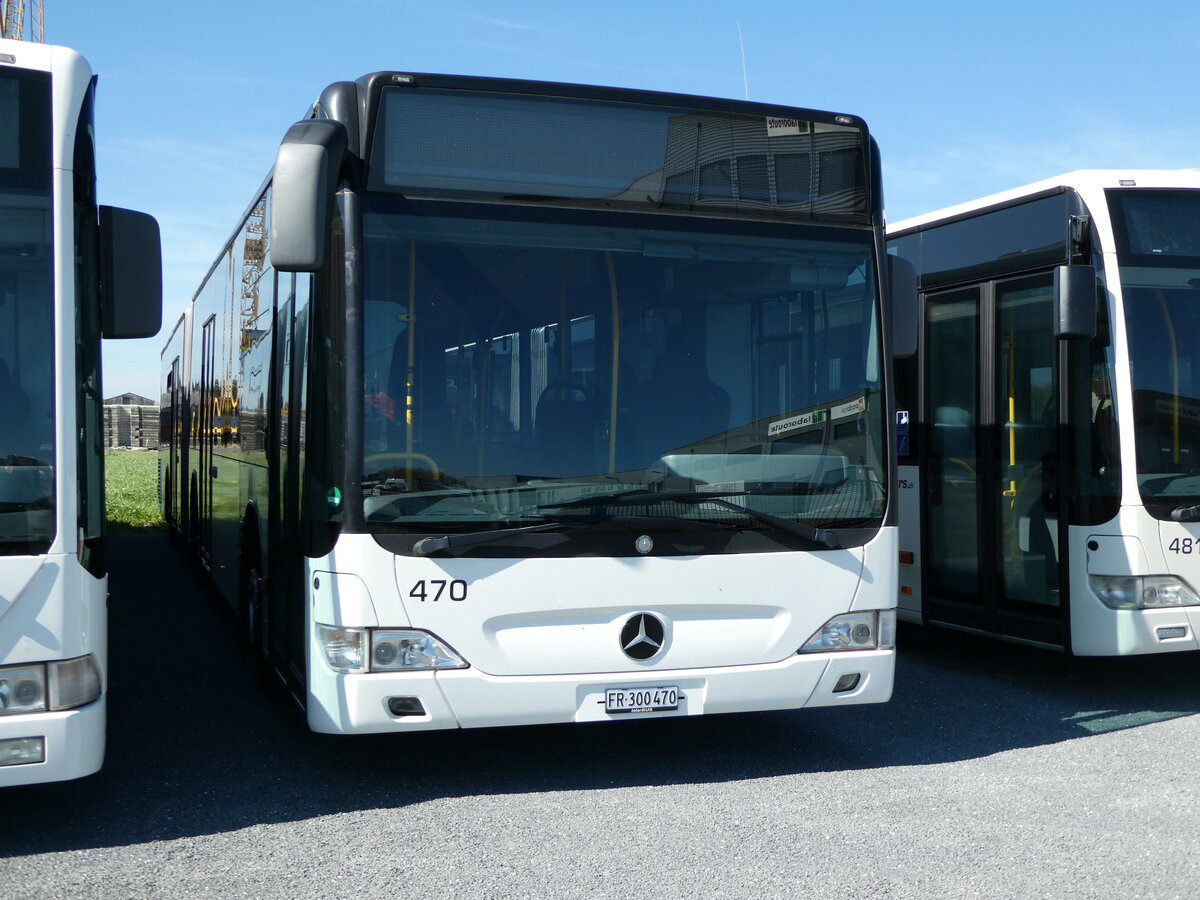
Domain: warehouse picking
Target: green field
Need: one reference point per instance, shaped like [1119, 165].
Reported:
[131, 491]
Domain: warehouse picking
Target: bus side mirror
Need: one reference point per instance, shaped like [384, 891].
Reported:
[906, 317]
[1075, 302]
[302, 187]
[130, 274]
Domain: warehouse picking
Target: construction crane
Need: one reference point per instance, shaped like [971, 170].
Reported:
[13, 25]
[254, 260]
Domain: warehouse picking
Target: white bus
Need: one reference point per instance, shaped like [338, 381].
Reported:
[70, 272]
[514, 402]
[1050, 467]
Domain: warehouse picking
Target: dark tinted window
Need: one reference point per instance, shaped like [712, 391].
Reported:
[25, 133]
[517, 359]
[616, 155]
[995, 242]
[1157, 227]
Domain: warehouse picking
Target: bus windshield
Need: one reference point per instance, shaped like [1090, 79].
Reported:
[26, 316]
[1158, 247]
[516, 360]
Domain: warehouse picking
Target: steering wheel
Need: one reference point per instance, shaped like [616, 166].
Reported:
[378, 459]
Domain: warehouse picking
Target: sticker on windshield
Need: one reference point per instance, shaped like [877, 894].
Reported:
[816, 417]
[853, 408]
[777, 127]
[1184, 410]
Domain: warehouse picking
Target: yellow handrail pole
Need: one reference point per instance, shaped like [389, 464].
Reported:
[1162, 302]
[412, 355]
[616, 359]
[1011, 347]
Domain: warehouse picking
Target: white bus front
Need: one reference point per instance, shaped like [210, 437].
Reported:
[596, 419]
[1143, 572]
[52, 608]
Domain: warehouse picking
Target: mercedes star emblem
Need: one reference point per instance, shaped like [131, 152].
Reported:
[642, 636]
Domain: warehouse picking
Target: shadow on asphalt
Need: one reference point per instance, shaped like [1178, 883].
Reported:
[196, 747]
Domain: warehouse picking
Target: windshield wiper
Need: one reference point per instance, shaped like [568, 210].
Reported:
[1186, 514]
[820, 536]
[427, 546]
[17, 459]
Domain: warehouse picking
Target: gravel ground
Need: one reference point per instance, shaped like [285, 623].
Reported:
[996, 771]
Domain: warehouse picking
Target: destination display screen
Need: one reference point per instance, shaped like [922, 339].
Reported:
[1154, 226]
[25, 138]
[10, 144]
[520, 148]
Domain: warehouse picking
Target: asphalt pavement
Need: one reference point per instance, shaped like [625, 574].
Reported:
[996, 771]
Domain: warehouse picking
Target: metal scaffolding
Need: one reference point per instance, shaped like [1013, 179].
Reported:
[13, 24]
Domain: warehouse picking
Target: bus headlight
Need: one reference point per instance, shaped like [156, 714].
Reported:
[22, 689]
[1142, 592]
[393, 651]
[354, 651]
[875, 630]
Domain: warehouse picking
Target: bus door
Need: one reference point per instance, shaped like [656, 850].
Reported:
[991, 511]
[169, 436]
[284, 604]
[206, 470]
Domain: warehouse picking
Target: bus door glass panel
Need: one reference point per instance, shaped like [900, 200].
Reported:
[281, 545]
[952, 529]
[1026, 467]
[208, 400]
[289, 618]
[172, 436]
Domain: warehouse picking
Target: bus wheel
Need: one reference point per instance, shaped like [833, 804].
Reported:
[193, 532]
[250, 601]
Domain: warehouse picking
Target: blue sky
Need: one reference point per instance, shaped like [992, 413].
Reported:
[965, 99]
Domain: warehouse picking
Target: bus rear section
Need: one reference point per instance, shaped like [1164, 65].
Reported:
[584, 420]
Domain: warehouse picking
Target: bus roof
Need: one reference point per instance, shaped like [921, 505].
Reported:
[1086, 181]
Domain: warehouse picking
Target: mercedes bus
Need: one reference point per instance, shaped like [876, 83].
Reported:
[1050, 421]
[71, 272]
[511, 402]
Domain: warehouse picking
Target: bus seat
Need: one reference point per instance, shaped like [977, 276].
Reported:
[566, 428]
[679, 405]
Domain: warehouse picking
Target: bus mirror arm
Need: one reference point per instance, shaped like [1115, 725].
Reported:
[1075, 302]
[302, 191]
[902, 292]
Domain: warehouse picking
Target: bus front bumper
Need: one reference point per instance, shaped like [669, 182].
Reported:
[468, 698]
[71, 745]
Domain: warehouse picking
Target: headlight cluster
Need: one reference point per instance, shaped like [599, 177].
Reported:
[875, 630]
[58, 685]
[358, 650]
[1142, 592]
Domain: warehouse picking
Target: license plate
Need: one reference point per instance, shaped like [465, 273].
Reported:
[641, 699]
